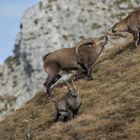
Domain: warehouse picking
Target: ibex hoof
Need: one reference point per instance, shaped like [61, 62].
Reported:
[136, 44]
[49, 97]
[89, 78]
[44, 84]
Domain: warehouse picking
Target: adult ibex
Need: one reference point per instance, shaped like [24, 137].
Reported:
[129, 24]
[67, 105]
[80, 58]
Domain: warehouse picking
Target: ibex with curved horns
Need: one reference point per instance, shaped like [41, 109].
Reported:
[67, 105]
[80, 58]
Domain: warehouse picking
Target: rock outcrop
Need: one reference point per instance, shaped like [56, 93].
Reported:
[45, 27]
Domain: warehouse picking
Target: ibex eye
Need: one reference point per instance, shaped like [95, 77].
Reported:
[114, 30]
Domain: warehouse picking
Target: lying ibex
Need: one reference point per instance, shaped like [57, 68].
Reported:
[67, 105]
[129, 24]
[80, 58]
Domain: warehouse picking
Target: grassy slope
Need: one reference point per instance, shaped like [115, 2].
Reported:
[110, 110]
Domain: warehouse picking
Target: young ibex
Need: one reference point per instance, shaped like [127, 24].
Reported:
[129, 24]
[67, 106]
[80, 58]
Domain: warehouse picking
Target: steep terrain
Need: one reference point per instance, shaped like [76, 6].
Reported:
[45, 27]
[110, 109]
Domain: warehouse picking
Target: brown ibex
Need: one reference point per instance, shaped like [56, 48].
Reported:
[129, 24]
[67, 105]
[80, 58]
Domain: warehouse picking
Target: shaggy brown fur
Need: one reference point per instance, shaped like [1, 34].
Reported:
[129, 24]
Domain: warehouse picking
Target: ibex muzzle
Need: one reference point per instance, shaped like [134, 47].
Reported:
[78, 58]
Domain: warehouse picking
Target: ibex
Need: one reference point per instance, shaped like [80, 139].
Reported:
[67, 105]
[129, 24]
[80, 58]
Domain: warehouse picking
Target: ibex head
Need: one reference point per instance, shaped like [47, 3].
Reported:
[72, 89]
[120, 26]
[100, 42]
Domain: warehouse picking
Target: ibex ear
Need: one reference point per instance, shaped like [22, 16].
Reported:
[73, 84]
[69, 88]
[65, 87]
[93, 42]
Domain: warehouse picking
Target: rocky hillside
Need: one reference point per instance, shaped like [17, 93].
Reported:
[45, 27]
[110, 109]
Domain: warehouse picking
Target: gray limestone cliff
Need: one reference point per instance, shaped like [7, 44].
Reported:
[45, 27]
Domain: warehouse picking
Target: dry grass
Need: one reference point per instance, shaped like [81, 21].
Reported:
[110, 109]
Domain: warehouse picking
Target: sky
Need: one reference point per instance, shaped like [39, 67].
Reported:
[11, 12]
